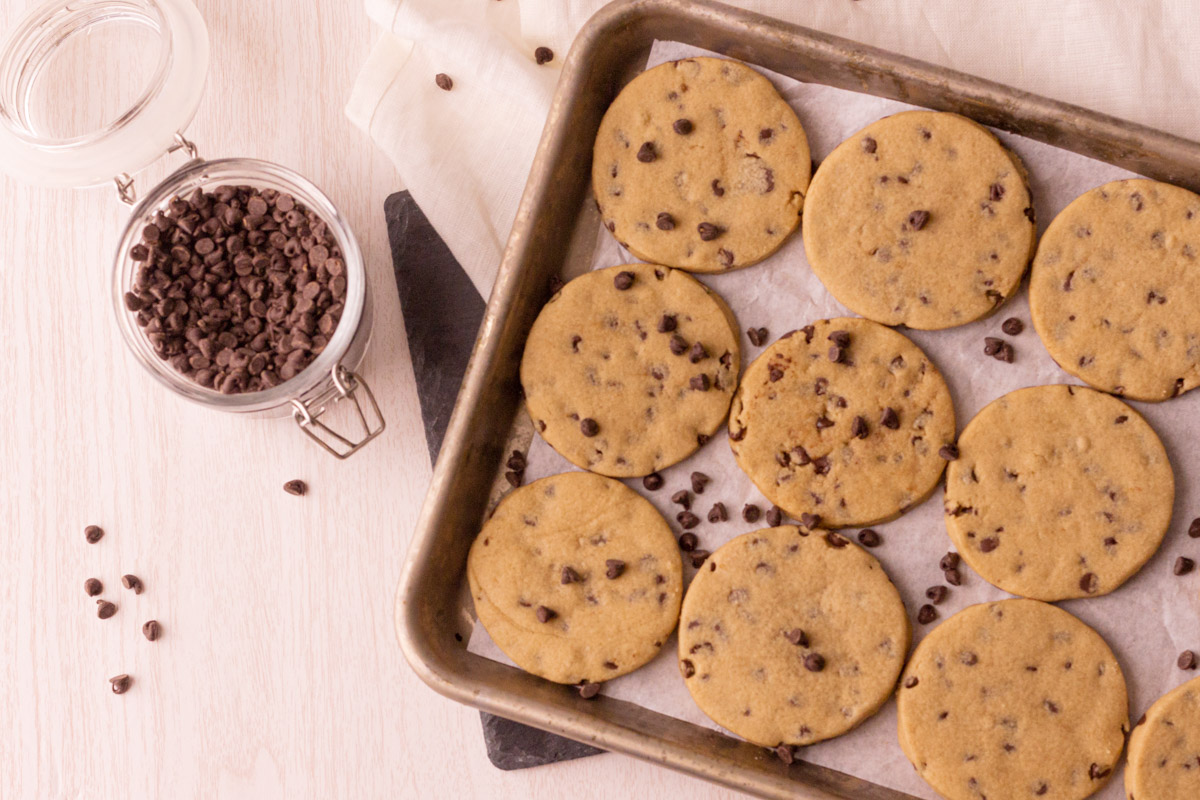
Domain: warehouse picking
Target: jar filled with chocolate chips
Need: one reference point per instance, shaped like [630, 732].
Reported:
[236, 283]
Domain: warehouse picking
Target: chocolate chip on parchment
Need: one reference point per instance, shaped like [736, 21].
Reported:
[814, 662]
[443, 81]
[588, 690]
[513, 477]
[94, 533]
[697, 353]
[516, 461]
[949, 452]
[1012, 326]
[93, 587]
[613, 568]
[926, 614]
[708, 231]
[797, 637]
[687, 520]
[133, 583]
[1186, 660]
[105, 609]
[1184, 565]
[859, 429]
[918, 219]
[545, 614]
[623, 280]
[936, 594]
[953, 576]
[774, 516]
[699, 382]
[688, 541]
[992, 345]
[682, 498]
[869, 538]
[683, 126]
[653, 482]
[120, 683]
[757, 336]
[589, 427]
[1194, 528]
[687, 668]
[810, 521]
[1089, 583]
[646, 153]
[296, 488]
[569, 575]
[785, 753]
[699, 481]
[718, 513]
[664, 222]
[152, 630]
[949, 561]
[889, 419]
[869, 145]
[667, 323]
[543, 55]
[698, 557]
[751, 512]
[678, 344]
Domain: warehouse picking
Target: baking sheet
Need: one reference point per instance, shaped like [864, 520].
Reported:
[1147, 622]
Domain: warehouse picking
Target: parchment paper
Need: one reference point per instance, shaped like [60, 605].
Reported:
[1147, 622]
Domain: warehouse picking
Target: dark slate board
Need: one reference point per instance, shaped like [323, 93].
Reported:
[442, 314]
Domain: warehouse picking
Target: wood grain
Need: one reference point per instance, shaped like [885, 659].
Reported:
[278, 673]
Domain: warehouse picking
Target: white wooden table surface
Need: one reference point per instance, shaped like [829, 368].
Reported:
[278, 674]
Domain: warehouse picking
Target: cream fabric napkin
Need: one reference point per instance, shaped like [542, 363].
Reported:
[465, 154]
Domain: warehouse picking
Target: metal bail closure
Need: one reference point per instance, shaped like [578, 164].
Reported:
[124, 181]
[347, 384]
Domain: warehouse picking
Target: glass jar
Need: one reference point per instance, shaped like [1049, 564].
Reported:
[140, 125]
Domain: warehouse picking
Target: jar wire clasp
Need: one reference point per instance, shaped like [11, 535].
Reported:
[125, 188]
[347, 384]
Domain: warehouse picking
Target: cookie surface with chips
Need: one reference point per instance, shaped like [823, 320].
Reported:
[1164, 748]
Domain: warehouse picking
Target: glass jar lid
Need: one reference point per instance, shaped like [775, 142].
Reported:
[91, 89]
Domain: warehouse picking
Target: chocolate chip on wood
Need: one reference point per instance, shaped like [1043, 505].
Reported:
[1184, 565]
[297, 488]
[120, 683]
[543, 55]
[443, 81]
[93, 587]
[133, 583]
[105, 609]
[152, 630]
[93, 533]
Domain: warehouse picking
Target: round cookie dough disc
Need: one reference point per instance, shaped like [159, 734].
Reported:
[1058, 492]
[793, 424]
[760, 614]
[605, 620]
[922, 218]
[1014, 699]
[1115, 289]
[700, 164]
[1164, 748]
[597, 352]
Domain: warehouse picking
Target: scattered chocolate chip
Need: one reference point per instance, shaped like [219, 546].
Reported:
[751, 512]
[698, 557]
[623, 280]
[682, 498]
[687, 520]
[836, 540]
[516, 461]
[646, 153]
[1187, 660]
[678, 344]
[1194, 529]
[613, 568]
[992, 345]
[513, 477]
[120, 684]
[297, 488]
[1184, 565]
[810, 521]
[797, 637]
[889, 419]
[869, 145]
[918, 219]
[665, 222]
[699, 382]
[589, 427]
[859, 429]
[936, 594]
[699, 481]
[545, 614]
[926, 614]
[133, 582]
[949, 561]
[93, 587]
[953, 576]
[569, 575]
[1012, 326]
[697, 353]
[708, 231]
[152, 630]
[105, 609]
[543, 55]
[588, 690]
[949, 452]
[443, 81]
[757, 336]
[718, 513]
[683, 126]
[996, 192]
[869, 538]
[774, 516]
[814, 662]
[667, 323]
[785, 753]
[94, 533]
[653, 482]
[1089, 583]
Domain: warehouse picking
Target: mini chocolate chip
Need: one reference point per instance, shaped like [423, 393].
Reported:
[697, 353]
[688, 542]
[751, 512]
[718, 513]
[1089, 583]
[926, 614]
[824, 422]
[133, 582]
[699, 481]
[105, 609]
[717, 188]
[949, 561]
[1184, 565]
[889, 419]
[682, 498]
[687, 668]
[545, 614]
[1012, 326]
[667, 323]
[918, 219]
[569, 576]
[911, 682]
[989, 544]
[814, 662]
[93, 587]
[543, 55]
[837, 354]
[970, 659]
[810, 521]
[785, 753]
[992, 345]
[996, 192]
[949, 452]
[1194, 529]
[699, 382]
[869, 538]
[683, 126]
[708, 231]
[936, 594]
[774, 516]
[757, 336]
[1187, 660]
[687, 520]
[588, 689]
[836, 540]
[94, 533]
[1096, 772]
[840, 338]
[678, 344]
[653, 482]
[869, 145]
[613, 568]
[953, 576]
[297, 488]
[513, 477]
[443, 81]
[516, 461]
[152, 630]
[646, 153]
[665, 222]
[797, 637]
[623, 280]
[698, 557]
[858, 428]
[120, 683]
[589, 427]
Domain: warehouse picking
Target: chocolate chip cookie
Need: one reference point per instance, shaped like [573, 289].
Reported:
[576, 577]
[700, 164]
[1013, 699]
[922, 218]
[1115, 287]
[1164, 749]
[846, 420]
[1058, 492]
[630, 369]
[791, 636]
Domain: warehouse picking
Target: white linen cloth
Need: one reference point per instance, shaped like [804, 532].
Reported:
[465, 154]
